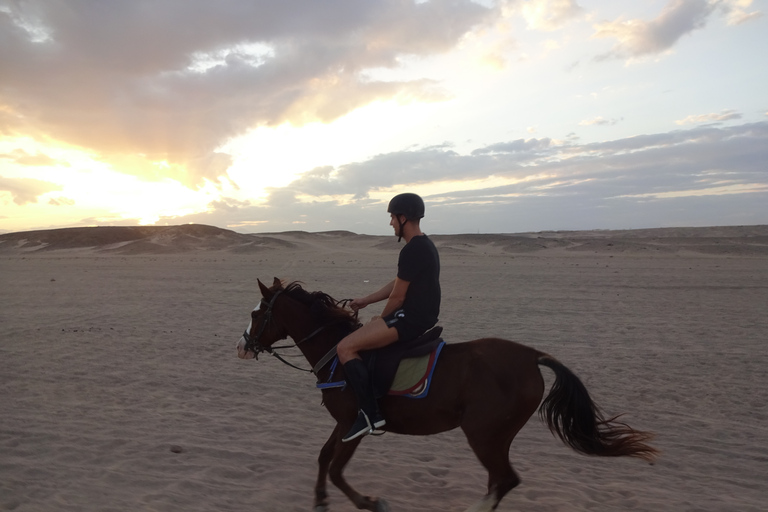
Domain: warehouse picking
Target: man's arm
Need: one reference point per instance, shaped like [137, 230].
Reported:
[376, 296]
[396, 296]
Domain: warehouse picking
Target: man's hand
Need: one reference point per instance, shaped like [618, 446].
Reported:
[358, 304]
[382, 294]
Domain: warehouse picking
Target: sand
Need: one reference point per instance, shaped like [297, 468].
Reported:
[120, 389]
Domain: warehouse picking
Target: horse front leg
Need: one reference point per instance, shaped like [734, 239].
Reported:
[341, 456]
[324, 461]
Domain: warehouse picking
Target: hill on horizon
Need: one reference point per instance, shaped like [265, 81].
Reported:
[136, 239]
[127, 240]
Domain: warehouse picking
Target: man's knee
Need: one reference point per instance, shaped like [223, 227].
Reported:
[345, 352]
[375, 334]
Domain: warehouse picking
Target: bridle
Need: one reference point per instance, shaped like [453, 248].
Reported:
[252, 343]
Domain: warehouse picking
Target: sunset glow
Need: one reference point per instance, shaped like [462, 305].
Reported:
[551, 114]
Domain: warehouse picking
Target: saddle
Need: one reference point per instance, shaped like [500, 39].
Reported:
[409, 365]
[383, 363]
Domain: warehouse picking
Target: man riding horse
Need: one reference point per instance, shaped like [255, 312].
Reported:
[413, 305]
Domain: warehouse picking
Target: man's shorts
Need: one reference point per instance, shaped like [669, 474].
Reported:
[406, 331]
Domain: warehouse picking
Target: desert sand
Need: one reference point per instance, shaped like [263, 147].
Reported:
[121, 390]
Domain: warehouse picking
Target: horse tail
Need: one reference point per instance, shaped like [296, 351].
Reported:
[570, 413]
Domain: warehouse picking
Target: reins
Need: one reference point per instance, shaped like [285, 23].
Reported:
[271, 350]
[257, 348]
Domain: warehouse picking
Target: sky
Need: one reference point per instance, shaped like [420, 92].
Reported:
[505, 116]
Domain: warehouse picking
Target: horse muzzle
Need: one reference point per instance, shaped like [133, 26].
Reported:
[242, 352]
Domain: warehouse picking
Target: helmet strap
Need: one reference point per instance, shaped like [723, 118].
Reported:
[402, 226]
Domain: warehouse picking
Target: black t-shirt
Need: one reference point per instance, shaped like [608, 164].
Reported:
[419, 264]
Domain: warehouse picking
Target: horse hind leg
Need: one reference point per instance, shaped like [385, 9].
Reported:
[500, 482]
[488, 503]
[493, 453]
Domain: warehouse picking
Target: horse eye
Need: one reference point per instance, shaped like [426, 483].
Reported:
[254, 314]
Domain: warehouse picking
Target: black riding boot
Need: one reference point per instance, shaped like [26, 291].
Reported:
[369, 418]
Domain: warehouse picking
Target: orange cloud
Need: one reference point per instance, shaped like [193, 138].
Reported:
[130, 84]
[26, 190]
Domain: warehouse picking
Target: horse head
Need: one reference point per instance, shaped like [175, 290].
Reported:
[262, 331]
[292, 311]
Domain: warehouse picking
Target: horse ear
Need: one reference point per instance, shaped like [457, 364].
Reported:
[277, 283]
[264, 290]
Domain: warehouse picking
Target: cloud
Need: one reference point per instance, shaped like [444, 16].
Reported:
[550, 14]
[737, 11]
[675, 158]
[385, 170]
[26, 190]
[637, 38]
[228, 204]
[706, 175]
[499, 52]
[21, 157]
[108, 220]
[600, 121]
[530, 147]
[725, 115]
[61, 201]
[173, 80]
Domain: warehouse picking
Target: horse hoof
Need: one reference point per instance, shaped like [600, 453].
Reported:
[382, 506]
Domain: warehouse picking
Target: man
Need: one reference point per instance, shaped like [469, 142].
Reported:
[413, 305]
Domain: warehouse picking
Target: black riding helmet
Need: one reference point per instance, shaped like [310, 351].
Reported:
[409, 205]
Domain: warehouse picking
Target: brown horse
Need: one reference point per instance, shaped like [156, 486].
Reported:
[489, 387]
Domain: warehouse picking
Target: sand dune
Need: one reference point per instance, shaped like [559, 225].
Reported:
[121, 390]
[139, 240]
[735, 240]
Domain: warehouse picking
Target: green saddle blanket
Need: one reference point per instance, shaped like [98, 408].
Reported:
[414, 375]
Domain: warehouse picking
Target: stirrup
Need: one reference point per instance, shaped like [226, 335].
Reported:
[378, 423]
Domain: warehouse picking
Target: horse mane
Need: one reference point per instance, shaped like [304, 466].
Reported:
[323, 306]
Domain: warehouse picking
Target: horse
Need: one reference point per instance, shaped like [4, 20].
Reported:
[488, 387]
